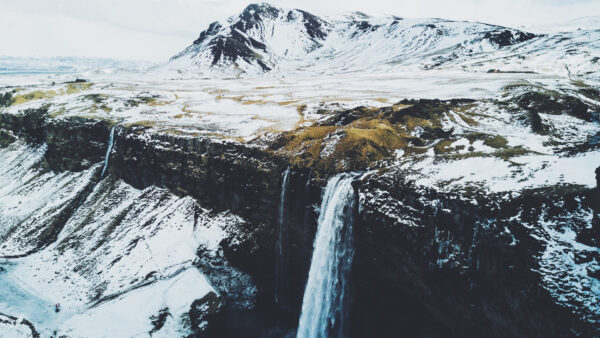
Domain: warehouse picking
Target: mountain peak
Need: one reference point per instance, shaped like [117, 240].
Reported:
[260, 9]
[253, 14]
[263, 38]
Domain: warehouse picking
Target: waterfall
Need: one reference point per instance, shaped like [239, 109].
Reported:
[110, 145]
[279, 265]
[323, 306]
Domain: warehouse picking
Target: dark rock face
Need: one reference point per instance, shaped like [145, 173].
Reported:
[29, 124]
[85, 141]
[202, 309]
[236, 46]
[227, 175]
[314, 26]
[533, 103]
[472, 266]
[253, 15]
[158, 320]
[503, 38]
[220, 175]
[236, 177]
[74, 144]
[212, 30]
[303, 195]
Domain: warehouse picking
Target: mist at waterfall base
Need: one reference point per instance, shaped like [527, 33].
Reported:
[325, 302]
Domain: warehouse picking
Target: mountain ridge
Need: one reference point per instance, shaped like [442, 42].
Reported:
[263, 38]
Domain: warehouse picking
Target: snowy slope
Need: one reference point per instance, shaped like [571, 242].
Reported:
[123, 256]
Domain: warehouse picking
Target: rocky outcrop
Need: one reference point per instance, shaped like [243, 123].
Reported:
[507, 37]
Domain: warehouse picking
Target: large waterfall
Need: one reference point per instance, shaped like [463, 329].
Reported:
[325, 297]
[109, 148]
[279, 264]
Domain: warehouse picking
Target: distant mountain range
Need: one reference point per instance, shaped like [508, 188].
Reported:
[267, 39]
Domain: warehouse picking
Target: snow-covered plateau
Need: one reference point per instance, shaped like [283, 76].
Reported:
[182, 199]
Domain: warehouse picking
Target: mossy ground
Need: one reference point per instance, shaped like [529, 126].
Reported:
[18, 97]
[494, 141]
[365, 138]
[31, 96]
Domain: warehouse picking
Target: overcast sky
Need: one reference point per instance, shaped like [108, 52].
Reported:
[156, 29]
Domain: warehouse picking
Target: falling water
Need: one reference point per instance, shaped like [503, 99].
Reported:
[110, 145]
[279, 273]
[323, 306]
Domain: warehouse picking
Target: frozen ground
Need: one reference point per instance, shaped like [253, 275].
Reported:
[243, 109]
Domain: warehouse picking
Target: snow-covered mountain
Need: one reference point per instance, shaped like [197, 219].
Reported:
[265, 39]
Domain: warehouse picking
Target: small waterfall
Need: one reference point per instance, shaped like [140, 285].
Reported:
[279, 265]
[323, 306]
[108, 150]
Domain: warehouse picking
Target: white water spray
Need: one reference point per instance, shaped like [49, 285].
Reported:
[323, 306]
[108, 150]
[279, 273]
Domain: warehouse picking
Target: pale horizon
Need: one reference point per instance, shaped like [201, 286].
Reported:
[156, 30]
